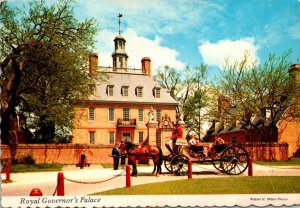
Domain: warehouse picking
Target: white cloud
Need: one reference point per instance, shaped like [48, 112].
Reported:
[294, 31]
[151, 17]
[233, 50]
[137, 47]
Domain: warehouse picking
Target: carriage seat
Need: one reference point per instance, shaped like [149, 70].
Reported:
[196, 148]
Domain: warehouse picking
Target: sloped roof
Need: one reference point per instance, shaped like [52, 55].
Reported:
[118, 80]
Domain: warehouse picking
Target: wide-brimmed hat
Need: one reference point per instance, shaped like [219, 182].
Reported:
[192, 133]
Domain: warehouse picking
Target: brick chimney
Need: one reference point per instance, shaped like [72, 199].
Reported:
[93, 59]
[146, 66]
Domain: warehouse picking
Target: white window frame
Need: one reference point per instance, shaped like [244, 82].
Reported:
[140, 114]
[91, 113]
[157, 92]
[92, 137]
[110, 90]
[126, 115]
[125, 91]
[111, 110]
[139, 91]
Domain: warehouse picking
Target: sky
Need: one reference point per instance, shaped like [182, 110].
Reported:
[178, 33]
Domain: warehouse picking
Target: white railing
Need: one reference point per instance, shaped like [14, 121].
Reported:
[119, 70]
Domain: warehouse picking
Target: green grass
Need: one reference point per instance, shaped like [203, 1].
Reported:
[290, 162]
[228, 185]
[21, 168]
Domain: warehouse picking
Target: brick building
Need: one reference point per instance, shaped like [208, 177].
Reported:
[286, 130]
[121, 106]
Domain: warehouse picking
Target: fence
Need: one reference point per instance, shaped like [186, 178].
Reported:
[266, 151]
[60, 186]
[97, 154]
[59, 153]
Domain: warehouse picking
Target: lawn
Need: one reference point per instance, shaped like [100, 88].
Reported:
[228, 185]
[290, 162]
[22, 168]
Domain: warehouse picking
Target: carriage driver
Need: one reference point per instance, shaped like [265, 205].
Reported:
[176, 135]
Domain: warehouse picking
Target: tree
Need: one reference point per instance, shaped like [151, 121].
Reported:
[188, 87]
[169, 78]
[44, 67]
[257, 96]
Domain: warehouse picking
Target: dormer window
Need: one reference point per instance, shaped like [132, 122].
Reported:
[125, 91]
[139, 91]
[110, 90]
[156, 92]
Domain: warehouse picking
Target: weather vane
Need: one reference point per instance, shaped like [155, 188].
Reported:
[119, 16]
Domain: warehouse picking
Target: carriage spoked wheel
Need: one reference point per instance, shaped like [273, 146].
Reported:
[217, 164]
[234, 160]
[179, 165]
[167, 162]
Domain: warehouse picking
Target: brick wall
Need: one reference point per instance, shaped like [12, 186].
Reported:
[61, 153]
[96, 154]
[266, 151]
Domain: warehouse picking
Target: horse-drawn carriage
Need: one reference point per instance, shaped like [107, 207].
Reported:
[231, 160]
[228, 159]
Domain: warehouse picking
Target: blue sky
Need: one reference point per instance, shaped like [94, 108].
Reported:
[190, 32]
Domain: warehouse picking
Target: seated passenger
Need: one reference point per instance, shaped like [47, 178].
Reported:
[194, 139]
[218, 146]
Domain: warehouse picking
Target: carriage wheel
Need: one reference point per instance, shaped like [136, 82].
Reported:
[217, 165]
[168, 162]
[234, 160]
[216, 162]
[179, 165]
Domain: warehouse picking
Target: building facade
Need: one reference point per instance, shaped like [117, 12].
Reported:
[286, 131]
[121, 106]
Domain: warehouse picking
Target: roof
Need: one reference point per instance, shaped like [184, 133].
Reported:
[118, 80]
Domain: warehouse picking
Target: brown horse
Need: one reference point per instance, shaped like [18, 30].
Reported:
[135, 153]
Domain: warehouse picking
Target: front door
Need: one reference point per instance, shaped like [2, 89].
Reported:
[126, 136]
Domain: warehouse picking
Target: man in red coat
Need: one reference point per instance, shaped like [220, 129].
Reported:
[176, 135]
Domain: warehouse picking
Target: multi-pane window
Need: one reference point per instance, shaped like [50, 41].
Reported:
[141, 137]
[139, 91]
[125, 91]
[91, 113]
[111, 138]
[110, 90]
[141, 114]
[111, 114]
[92, 137]
[157, 92]
[126, 112]
[126, 136]
[158, 115]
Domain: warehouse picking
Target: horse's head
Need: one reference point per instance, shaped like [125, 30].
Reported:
[125, 147]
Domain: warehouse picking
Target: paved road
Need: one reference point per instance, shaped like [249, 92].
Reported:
[97, 178]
